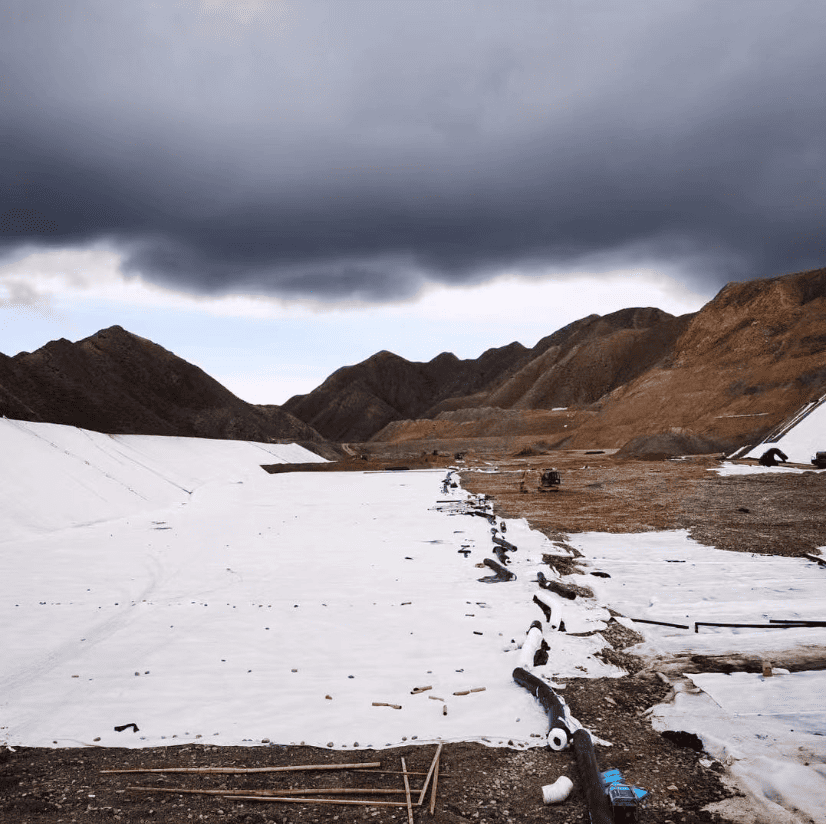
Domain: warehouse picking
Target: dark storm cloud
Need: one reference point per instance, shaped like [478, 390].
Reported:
[360, 148]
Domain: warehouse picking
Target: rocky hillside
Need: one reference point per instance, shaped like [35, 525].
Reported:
[576, 365]
[582, 362]
[357, 401]
[749, 358]
[117, 382]
[724, 376]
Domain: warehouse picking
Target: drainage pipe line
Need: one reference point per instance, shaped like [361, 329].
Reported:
[599, 808]
[659, 623]
[698, 624]
[559, 727]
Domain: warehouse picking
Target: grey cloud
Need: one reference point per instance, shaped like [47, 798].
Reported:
[357, 149]
[16, 293]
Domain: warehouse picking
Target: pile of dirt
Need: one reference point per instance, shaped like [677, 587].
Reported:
[669, 445]
[485, 422]
[538, 448]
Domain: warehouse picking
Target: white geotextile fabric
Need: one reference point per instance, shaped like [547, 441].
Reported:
[802, 441]
[769, 732]
[234, 612]
[61, 476]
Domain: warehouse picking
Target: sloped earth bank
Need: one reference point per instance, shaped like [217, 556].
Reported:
[480, 784]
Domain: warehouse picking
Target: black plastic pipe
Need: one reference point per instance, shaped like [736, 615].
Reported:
[698, 624]
[546, 610]
[557, 715]
[503, 543]
[502, 574]
[502, 554]
[659, 623]
[599, 807]
[795, 622]
[555, 586]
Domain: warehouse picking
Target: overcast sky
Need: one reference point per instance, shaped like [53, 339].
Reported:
[272, 189]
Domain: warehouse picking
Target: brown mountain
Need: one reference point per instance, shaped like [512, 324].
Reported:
[724, 377]
[750, 357]
[580, 363]
[357, 401]
[119, 383]
[576, 365]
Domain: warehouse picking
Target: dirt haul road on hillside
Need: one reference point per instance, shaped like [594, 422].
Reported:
[782, 514]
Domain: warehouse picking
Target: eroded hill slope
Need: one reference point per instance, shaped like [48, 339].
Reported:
[120, 383]
[749, 358]
[576, 365]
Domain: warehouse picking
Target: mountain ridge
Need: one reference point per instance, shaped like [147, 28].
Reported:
[548, 375]
[728, 374]
[120, 383]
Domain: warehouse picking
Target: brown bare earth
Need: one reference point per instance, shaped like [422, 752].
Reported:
[774, 513]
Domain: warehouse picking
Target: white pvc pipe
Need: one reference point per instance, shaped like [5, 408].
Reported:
[558, 791]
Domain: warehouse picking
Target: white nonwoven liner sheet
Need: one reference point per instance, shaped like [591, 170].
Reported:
[233, 614]
[770, 732]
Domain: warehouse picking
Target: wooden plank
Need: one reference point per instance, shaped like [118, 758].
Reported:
[244, 770]
[407, 793]
[430, 774]
[435, 784]
[303, 791]
[294, 800]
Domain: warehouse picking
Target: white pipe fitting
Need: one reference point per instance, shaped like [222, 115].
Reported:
[558, 791]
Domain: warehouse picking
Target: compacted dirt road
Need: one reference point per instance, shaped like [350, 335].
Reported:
[781, 514]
